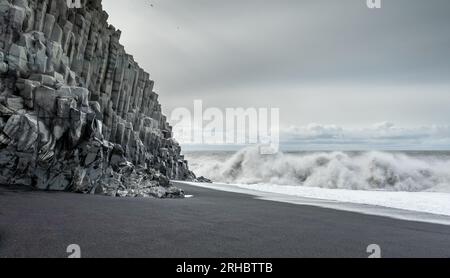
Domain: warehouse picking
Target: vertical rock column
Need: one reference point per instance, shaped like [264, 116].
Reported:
[77, 113]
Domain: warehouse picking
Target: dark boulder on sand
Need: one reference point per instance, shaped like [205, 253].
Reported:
[203, 180]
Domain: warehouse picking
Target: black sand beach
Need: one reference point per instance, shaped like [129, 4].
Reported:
[212, 224]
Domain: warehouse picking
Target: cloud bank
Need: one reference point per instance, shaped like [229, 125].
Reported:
[380, 136]
[318, 61]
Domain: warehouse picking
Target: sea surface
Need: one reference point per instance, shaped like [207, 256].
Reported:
[410, 171]
[408, 180]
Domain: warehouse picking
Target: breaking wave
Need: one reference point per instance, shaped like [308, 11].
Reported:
[336, 170]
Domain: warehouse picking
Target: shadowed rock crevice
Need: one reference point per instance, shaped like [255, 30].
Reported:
[77, 113]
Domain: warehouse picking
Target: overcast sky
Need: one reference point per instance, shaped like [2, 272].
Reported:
[320, 61]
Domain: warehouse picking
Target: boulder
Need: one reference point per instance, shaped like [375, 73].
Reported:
[15, 103]
[17, 59]
[45, 99]
[36, 51]
[203, 180]
[3, 67]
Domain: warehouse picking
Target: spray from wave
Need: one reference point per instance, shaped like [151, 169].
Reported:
[336, 170]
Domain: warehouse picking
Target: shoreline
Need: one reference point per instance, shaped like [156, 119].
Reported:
[211, 224]
[367, 209]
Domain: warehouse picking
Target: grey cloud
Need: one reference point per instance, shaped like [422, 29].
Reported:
[223, 42]
[252, 53]
[383, 135]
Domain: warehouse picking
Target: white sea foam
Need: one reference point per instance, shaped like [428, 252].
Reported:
[391, 184]
[431, 207]
[333, 170]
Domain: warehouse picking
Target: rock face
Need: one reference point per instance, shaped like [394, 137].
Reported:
[77, 113]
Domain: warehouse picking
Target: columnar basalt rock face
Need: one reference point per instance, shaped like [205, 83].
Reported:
[77, 113]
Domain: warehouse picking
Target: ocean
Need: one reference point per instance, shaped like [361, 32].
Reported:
[407, 180]
[411, 171]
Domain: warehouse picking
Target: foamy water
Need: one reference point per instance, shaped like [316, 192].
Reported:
[373, 171]
[390, 183]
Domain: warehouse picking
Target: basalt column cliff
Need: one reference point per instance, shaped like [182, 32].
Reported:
[77, 113]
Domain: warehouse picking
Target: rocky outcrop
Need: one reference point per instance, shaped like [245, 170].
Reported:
[77, 113]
